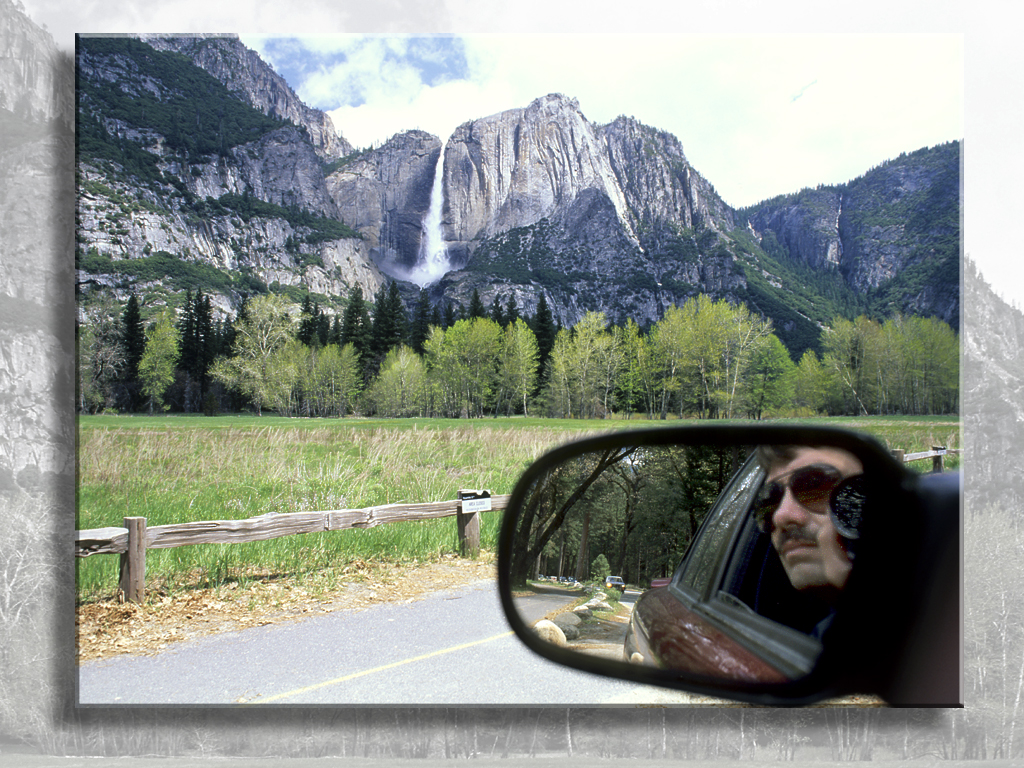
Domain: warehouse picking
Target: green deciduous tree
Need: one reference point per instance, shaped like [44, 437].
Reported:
[462, 361]
[769, 378]
[266, 328]
[101, 361]
[156, 368]
[336, 381]
[401, 388]
[517, 369]
[584, 367]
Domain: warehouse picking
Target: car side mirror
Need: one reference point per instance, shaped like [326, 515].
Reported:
[756, 562]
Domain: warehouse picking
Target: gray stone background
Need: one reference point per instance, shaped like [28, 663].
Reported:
[37, 442]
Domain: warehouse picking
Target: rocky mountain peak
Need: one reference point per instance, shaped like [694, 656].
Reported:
[255, 82]
[517, 167]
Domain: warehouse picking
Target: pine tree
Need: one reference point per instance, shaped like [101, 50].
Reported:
[545, 330]
[497, 314]
[389, 321]
[323, 327]
[197, 345]
[399, 318]
[314, 324]
[421, 323]
[334, 337]
[476, 306]
[450, 316]
[210, 342]
[511, 310]
[307, 322]
[133, 341]
[187, 333]
[355, 327]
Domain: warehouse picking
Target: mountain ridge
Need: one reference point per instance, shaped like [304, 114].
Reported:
[537, 199]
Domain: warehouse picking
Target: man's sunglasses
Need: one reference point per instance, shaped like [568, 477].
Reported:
[811, 486]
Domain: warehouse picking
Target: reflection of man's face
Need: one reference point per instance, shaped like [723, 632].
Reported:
[811, 550]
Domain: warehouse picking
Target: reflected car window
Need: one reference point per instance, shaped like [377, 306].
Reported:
[702, 561]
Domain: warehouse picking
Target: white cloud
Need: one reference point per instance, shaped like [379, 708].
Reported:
[730, 99]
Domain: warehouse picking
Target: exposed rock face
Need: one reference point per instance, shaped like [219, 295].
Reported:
[896, 227]
[179, 210]
[993, 394]
[279, 168]
[36, 84]
[385, 194]
[658, 182]
[246, 74]
[893, 215]
[806, 225]
[537, 200]
[600, 218]
[517, 167]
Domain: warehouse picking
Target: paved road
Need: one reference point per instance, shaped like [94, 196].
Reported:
[451, 648]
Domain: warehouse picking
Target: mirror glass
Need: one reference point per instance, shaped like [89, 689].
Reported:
[721, 561]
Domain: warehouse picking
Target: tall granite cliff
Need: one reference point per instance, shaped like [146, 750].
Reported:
[248, 181]
[385, 193]
[176, 164]
[36, 84]
[610, 218]
[520, 166]
[893, 233]
[993, 393]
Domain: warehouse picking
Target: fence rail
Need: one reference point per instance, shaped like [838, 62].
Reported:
[937, 454]
[132, 540]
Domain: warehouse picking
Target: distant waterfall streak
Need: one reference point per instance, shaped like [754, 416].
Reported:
[432, 262]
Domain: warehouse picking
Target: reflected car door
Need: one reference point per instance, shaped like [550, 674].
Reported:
[715, 615]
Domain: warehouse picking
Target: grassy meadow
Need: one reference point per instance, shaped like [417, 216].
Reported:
[176, 469]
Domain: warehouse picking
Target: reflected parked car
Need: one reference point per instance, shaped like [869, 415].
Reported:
[615, 582]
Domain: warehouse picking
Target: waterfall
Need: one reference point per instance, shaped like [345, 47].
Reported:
[432, 262]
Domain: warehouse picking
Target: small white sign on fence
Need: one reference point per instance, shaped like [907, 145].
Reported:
[475, 501]
[476, 505]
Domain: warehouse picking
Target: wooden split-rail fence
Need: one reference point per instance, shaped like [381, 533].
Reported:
[937, 454]
[133, 539]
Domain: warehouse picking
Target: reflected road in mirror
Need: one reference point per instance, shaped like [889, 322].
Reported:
[583, 619]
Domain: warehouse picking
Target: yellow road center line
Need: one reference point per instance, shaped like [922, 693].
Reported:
[375, 670]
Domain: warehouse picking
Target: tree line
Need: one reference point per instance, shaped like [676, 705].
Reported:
[630, 511]
[705, 359]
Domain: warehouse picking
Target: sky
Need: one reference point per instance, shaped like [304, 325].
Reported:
[758, 115]
[764, 143]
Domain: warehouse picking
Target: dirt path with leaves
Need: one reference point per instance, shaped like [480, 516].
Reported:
[107, 628]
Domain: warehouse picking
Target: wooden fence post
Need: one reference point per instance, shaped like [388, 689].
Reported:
[133, 561]
[898, 454]
[937, 460]
[471, 503]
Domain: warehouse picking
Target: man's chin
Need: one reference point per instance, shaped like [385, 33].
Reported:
[806, 576]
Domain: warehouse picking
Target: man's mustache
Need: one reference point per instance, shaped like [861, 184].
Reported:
[799, 534]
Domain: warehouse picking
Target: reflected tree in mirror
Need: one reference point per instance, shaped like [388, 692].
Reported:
[638, 506]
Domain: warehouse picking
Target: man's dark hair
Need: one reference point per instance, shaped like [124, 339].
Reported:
[770, 455]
